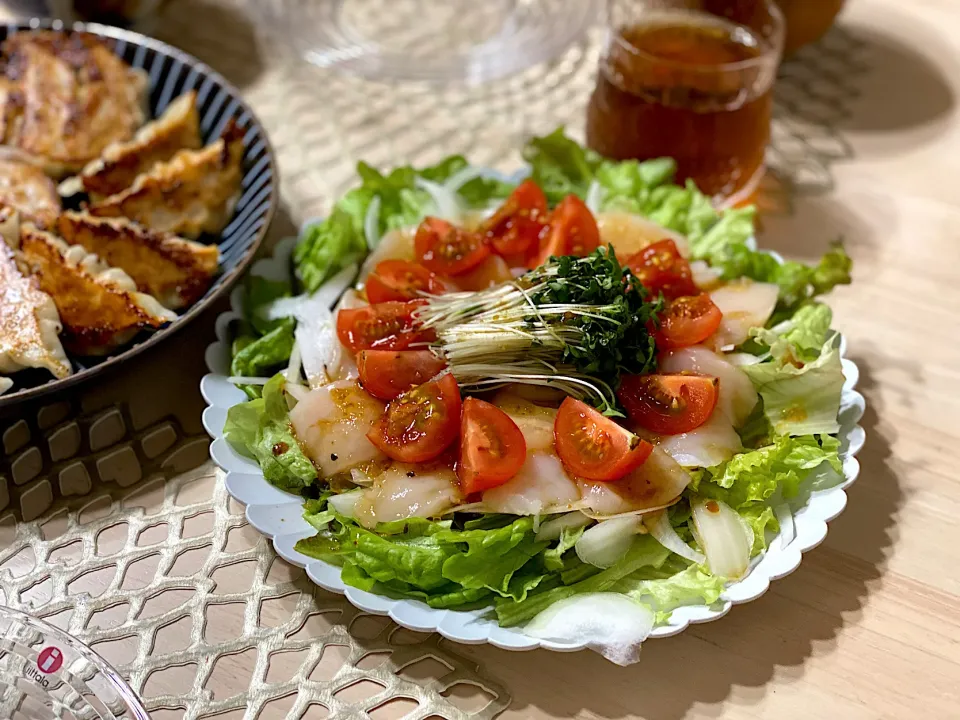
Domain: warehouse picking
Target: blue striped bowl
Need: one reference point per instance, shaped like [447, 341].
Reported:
[173, 72]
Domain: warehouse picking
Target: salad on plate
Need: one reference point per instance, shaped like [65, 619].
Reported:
[578, 400]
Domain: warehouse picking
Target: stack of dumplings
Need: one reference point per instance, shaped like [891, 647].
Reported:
[87, 281]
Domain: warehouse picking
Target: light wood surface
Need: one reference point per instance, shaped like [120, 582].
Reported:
[869, 625]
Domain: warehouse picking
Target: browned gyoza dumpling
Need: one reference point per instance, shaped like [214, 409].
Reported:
[157, 141]
[64, 97]
[99, 306]
[193, 193]
[29, 323]
[175, 271]
[26, 189]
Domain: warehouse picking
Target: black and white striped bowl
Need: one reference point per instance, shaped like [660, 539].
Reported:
[173, 72]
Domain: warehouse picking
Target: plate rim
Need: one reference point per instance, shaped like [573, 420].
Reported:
[228, 279]
[277, 514]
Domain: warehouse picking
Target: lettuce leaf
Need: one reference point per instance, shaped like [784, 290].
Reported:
[331, 245]
[728, 235]
[560, 165]
[260, 429]
[492, 556]
[762, 521]
[645, 552]
[260, 292]
[802, 336]
[553, 558]
[433, 561]
[756, 476]
[800, 398]
[259, 357]
[672, 585]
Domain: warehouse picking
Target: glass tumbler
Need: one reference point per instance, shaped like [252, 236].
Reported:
[691, 80]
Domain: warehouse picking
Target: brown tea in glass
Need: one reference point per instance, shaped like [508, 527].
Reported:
[692, 81]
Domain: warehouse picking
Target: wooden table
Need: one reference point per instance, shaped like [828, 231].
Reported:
[869, 625]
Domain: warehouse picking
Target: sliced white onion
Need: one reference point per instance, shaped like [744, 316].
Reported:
[345, 503]
[301, 307]
[371, 223]
[661, 529]
[462, 177]
[293, 367]
[788, 530]
[243, 380]
[359, 477]
[552, 529]
[394, 245]
[594, 197]
[745, 304]
[608, 541]
[739, 359]
[705, 277]
[448, 204]
[610, 623]
[296, 391]
[723, 538]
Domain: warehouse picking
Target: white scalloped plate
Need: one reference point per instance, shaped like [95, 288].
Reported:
[278, 515]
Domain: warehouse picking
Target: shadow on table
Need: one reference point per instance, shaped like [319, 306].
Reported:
[220, 36]
[733, 659]
[902, 89]
[815, 221]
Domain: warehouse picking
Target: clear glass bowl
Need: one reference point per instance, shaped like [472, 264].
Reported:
[437, 41]
[46, 673]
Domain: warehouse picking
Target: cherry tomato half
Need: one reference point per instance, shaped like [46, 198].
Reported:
[687, 321]
[420, 424]
[446, 249]
[573, 231]
[387, 373]
[661, 268]
[515, 228]
[669, 404]
[400, 280]
[386, 326]
[492, 448]
[593, 446]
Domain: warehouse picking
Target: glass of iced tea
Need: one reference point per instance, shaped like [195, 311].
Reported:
[692, 80]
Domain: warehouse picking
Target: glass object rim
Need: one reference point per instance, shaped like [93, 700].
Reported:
[49, 632]
[773, 53]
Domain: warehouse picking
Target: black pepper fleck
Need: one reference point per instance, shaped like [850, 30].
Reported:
[411, 473]
[333, 456]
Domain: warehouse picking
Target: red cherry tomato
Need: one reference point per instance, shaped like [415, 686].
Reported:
[446, 249]
[573, 231]
[492, 448]
[669, 404]
[660, 268]
[400, 280]
[593, 446]
[386, 374]
[687, 321]
[492, 271]
[386, 326]
[515, 228]
[420, 424]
